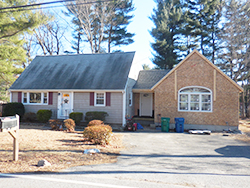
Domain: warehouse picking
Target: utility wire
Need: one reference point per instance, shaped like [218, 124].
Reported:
[40, 4]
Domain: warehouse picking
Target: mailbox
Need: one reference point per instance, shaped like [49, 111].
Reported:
[8, 122]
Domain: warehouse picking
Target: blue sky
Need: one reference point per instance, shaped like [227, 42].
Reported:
[141, 25]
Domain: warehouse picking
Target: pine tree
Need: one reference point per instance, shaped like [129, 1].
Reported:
[118, 20]
[202, 25]
[104, 21]
[12, 54]
[167, 18]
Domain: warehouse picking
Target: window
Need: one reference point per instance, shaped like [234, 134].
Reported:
[99, 99]
[35, 98]
[130, 99]
[24, 97]
[196, 99]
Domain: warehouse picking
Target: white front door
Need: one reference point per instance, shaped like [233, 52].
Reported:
[65, 105]
[146, 104]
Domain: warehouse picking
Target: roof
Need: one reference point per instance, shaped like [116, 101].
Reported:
[211, 64]
[82, 71]
[148, 78]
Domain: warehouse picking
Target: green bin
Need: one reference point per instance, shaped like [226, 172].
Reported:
[165, 124]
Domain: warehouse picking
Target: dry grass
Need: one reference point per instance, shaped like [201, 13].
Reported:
[61, 149]
[244, 126]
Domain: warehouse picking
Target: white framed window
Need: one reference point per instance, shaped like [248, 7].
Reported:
[100, 99]
[130, 99]
[195, 99]
[35, 98]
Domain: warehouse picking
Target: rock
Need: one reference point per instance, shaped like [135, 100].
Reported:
[43, 163]
[91, 151]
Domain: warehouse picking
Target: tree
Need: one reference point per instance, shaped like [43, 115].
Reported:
[146, 67]
[235, 52]
[12, 54]
[48, 36]
[167, 18]
[202, 25]
[104, 21]
[118, 20]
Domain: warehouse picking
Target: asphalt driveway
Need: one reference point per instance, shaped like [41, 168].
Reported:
[163, 160]
[177, 160]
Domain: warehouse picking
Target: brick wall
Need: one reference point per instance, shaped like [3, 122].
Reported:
[195, 71]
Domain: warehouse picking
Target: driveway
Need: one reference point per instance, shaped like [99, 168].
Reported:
[175, 160]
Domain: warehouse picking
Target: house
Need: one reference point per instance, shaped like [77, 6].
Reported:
[195, 90]
[78, 83]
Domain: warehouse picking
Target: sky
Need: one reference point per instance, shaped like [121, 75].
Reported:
[140, 26]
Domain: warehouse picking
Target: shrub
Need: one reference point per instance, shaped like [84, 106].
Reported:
[29, 117]
[95, 115]
[43, 115]
[76, 116]
[95, 122]
[55, 124]
[99, 134]
[13, 108]
[69, 124]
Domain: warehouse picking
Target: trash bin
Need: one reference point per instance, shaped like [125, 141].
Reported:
[179, 125]
[165, 124]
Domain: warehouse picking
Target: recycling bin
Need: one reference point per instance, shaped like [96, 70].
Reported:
[165, 124]
[179, 125]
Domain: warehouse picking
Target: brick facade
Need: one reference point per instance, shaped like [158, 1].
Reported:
[196, 71]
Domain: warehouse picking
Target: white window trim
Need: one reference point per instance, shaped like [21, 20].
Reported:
[200, 101]
[130, 98]
[42, 98]
[104, 98]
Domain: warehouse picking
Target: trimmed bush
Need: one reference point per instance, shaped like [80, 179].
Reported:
[55, 124]
[99, 134]
[13, 108]
[95, 115]
[69, 124]
[95, 122]
[76, 116]
[43, 115]
[29, 117]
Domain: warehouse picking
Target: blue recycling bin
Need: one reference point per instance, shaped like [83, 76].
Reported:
[179, 125]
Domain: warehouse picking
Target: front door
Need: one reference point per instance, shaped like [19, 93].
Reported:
[64, 105]
[146, 104]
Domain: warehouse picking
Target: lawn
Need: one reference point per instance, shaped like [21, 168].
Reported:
[61, 149]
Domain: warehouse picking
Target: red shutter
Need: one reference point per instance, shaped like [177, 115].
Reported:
[50, 98]
[19, 97]
[108, 101]
[92, 98]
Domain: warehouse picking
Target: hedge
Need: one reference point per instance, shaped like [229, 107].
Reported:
[76, 116]
[43, 115]
[95, 115]
[13, 108]
[99, 134]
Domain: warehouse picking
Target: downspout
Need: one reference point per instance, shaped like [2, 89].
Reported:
[124, 108]
[10, 96]
[124, 104]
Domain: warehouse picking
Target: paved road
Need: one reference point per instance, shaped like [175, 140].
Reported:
[173, 160]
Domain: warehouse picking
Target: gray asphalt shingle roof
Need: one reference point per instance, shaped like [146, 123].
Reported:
[83, 71]
[148, 78]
